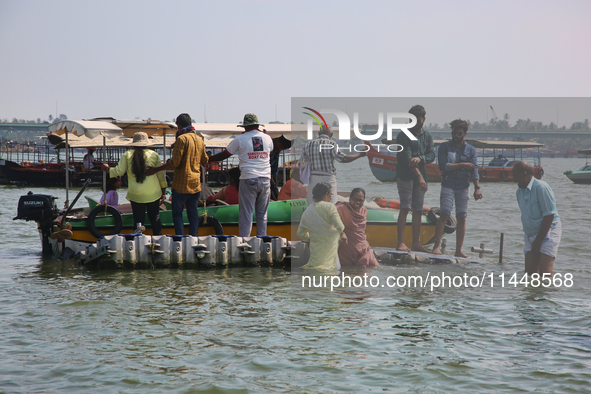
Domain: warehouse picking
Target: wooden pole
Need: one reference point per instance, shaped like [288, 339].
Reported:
[67, 172]
[284, 164]
[501, 248]
[105, 172]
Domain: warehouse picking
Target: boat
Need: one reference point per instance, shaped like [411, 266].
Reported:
[496, 160]
[583, 174]
[383, 164]
[36, 174]
[48, 167]
[88, 225]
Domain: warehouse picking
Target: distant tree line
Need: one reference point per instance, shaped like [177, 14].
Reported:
[520, 125]
[50, 119]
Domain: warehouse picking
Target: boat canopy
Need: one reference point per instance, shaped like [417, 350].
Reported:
[150, 127]
[88, 128]
[503, 144]
[124, 141]
[214, 134]
[585, 152]
[227, 129]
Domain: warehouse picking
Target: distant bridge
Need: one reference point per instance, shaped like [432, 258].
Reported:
[7, 128]
[484, 135]
[437, 134]
[512, 134]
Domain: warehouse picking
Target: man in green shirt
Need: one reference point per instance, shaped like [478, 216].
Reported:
[411, 177]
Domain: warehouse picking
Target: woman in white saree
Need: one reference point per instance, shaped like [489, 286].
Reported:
[322, 225]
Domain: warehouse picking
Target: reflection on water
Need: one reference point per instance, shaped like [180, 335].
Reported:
[66, 329]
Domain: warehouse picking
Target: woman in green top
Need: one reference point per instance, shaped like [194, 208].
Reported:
[145, 192]
[322, 225]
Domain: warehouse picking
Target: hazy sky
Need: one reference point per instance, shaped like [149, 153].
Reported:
[156, 59]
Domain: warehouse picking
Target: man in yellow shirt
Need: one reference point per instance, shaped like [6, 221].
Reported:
[188, 155]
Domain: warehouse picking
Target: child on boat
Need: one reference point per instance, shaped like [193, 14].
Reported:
[112, 197]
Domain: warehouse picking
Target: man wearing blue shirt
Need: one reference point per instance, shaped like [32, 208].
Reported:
[540, 220]
[458, 164]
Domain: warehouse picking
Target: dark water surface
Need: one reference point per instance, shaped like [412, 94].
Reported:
[68, 330]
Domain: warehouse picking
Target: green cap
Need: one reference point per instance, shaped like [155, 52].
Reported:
[250, 120]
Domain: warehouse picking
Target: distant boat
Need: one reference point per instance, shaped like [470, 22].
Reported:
[36, 174]
[47, 168]
[583, 175]
[496, 157]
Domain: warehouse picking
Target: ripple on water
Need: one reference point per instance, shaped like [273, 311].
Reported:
[247, 330]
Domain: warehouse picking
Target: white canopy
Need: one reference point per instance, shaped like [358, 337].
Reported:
[150, 127]
[503, 144]
[225, 129]
[88, 128]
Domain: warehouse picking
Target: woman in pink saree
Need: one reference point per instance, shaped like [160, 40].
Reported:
[356, 252]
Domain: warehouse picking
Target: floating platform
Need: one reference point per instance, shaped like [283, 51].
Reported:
[394, 257]
[173, 251]
[137, 251]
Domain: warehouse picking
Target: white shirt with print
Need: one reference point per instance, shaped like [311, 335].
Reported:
[254, 150]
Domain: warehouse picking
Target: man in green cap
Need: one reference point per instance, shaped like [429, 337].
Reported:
[254, 149]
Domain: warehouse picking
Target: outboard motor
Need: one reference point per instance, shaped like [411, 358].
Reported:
[42, 209]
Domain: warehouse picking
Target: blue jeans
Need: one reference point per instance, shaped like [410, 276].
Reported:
[178, 201]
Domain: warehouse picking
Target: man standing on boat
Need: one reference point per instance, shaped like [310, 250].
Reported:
[540, 220]
[88, 159]
[188, 155]
[458, 164]
[254, 148]
[411, 177]
[321, 159]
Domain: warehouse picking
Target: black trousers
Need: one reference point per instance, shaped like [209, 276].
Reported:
[139, 215]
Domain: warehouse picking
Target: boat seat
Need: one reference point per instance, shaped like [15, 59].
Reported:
[124, 208]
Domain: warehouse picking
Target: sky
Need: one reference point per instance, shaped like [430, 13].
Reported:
[218, 60]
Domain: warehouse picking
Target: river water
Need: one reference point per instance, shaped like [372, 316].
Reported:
[68, 330]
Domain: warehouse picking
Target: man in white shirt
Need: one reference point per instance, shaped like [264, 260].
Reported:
[254, 149]
[88, 159]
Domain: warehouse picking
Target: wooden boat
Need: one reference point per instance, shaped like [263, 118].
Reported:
[88, 226]
[48, 168]
[37, 174]
[583, 174]
[283, 220]
[496, 160]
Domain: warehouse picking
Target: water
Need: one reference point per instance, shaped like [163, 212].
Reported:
[69, 330]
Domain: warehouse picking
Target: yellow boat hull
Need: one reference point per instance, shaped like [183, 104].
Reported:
[378, 235]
